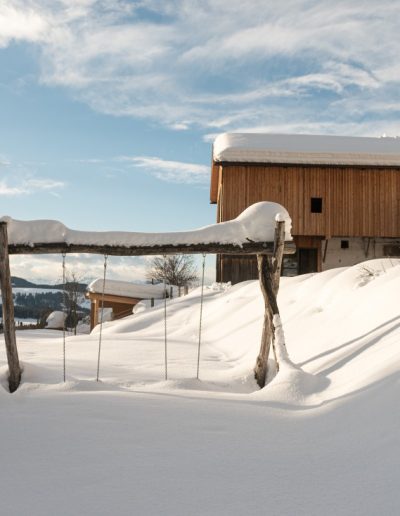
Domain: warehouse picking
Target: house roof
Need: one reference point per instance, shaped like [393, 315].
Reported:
[301, 149]
[307, 149]
[126, 289]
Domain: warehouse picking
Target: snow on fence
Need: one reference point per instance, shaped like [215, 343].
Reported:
[252, 231]
[263, 229]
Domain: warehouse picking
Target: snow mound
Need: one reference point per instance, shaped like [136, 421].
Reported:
[55, 321]
[256, 223]
[329, 417]
[341, 337]
[293, 387]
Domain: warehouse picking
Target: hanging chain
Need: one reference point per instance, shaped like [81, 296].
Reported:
[65, 311]
[201, 313]
[165, 319]
[101, 317]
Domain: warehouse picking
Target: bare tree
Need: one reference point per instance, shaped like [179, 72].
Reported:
[74, 289]
[178, 269]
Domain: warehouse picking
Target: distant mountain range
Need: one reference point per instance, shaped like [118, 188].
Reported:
[37, 300]
[23, 283]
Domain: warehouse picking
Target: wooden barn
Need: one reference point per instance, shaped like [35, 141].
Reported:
[119, 296]
[343, 194]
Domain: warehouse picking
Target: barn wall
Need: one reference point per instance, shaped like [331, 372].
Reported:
[357, 201]
[359, 250]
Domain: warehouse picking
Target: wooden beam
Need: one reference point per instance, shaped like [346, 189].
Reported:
[269, 272]
[14, 368]
[325, 250]
[113, 298]
[211, 248]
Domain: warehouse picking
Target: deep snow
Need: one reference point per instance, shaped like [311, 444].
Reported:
[306, 148]
[321, 438]
[128, 289]
[256, 223]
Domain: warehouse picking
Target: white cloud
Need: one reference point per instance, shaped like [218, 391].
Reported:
[87, 267]
[366, 128]
[223, 64]
[8, 190]
[4, 162]
[28, 186]
[20, 22]
[171, 171]
[48, 268]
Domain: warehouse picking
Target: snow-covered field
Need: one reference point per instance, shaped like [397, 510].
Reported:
[322, 438]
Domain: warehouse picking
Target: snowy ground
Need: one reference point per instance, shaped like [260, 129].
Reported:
[321, 438]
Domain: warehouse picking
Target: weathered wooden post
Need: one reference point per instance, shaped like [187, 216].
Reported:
[14, 368]
[269, 273]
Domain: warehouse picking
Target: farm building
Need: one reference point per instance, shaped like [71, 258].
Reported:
[119, 296]
[343, 194]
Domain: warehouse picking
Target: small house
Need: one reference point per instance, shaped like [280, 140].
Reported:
[119, 297]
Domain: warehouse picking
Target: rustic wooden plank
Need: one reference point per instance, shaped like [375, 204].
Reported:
[112, 298]
[358, 200]
[14, 368]
[213, 248]
[269, 275]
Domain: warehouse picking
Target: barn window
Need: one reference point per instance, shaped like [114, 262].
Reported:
[344, 244]
[316, 204]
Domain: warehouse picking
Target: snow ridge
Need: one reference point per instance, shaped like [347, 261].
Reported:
[256, 223]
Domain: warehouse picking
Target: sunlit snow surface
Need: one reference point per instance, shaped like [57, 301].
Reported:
[320, 438]
[306, 148]
[256, 223]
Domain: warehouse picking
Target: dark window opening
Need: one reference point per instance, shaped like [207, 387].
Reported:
[316, 204]
[391, 250]
[308, 260]
[344, 244]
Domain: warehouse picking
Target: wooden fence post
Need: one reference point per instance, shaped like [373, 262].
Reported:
[8, 312]
[269, 272]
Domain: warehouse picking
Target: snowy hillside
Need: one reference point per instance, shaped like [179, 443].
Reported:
[320, 438]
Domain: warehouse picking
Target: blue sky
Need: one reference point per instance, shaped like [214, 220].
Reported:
[109, 107]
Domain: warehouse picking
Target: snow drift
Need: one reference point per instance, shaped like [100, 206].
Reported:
[256, 223]
[320, 438]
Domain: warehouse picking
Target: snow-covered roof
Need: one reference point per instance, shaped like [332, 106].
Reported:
[256, 223]
[126, 289]
[307, 149]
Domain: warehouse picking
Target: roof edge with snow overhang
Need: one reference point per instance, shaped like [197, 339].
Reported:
[127, 289]
[306, 149]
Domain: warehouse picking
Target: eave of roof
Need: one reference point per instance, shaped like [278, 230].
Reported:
[302, 149]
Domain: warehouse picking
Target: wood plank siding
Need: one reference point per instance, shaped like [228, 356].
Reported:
[356, 201]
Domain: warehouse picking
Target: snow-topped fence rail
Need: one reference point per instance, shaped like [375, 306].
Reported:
[251, 232]
[262, 229]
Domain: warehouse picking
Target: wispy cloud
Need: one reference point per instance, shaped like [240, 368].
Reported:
[12, 187]
[88, 267]
[283, 62]
[48, 269]
[4, 162]
[171, 171]
[21, 22]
